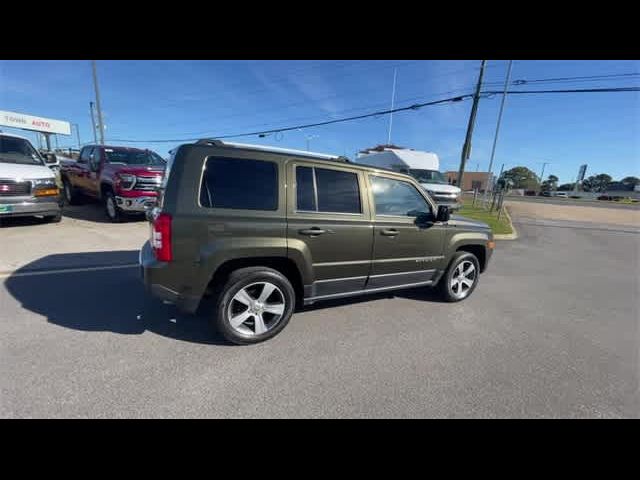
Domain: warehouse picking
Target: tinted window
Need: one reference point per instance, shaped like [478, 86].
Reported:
[305, 192]
[337, 191]
[394, 197]
[240, 184]
[84, 155]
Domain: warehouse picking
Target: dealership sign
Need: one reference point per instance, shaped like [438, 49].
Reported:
[581, 172]
[29, 122]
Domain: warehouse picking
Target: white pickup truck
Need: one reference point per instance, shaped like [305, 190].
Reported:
[423, 166]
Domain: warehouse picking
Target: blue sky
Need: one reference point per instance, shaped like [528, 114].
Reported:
[150, 100]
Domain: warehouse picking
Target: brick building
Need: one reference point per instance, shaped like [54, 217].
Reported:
[471, 180]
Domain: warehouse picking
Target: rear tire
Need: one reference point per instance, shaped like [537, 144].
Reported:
[114, 214]
[253, 305]
[461, 278]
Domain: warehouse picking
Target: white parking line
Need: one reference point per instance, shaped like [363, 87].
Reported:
[66, 270]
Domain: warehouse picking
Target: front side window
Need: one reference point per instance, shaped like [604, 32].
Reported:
[85, 154]
[333, 191]
[18, 150]
[395, 197]
[239, 184]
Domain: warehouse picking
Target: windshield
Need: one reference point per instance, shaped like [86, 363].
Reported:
[18, 150]
[134, 157]
[428, 176]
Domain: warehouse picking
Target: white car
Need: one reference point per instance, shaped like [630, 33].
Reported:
[27, 186]
[561, 194]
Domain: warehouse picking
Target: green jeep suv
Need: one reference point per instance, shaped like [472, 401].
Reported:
[264, 230]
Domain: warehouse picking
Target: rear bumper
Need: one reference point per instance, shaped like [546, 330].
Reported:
[136, 204]
[155, 276]
[46, 206]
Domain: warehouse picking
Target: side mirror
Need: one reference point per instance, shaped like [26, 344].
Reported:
[50, 158]
[443, 213]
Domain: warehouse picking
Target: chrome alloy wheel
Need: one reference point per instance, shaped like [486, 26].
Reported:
[463, 278]
[256, 308]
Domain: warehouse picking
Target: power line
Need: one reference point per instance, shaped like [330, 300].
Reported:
[575, 90]
[415, 106]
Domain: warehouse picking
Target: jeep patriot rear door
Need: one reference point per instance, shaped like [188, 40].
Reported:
[328, 218]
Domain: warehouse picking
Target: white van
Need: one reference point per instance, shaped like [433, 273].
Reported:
[27, 186]
[423, 166]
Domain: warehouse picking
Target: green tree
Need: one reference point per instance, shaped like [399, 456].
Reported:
[550, 184]
[631, 180]
[596, 183]
[520, 177]
[566, 187]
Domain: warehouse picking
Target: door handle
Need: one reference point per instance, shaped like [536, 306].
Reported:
[389, 232]
[313, 232]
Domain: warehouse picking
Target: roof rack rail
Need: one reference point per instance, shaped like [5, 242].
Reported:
[209, 141]
[286, 151]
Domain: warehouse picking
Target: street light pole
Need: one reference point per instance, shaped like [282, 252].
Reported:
[93, 123]
[495, 137]
[544, 164]
[95, 86]
[77, 134]
[466, 149]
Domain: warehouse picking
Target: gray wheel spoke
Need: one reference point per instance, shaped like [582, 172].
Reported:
[243, 297]
[466, 282]
[469, 270]
[260, 327]
[240, 318]
[275, 308]
[267, 290]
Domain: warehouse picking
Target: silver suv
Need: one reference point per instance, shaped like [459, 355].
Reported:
[27, 186]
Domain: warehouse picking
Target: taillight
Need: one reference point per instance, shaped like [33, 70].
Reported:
[161, 237]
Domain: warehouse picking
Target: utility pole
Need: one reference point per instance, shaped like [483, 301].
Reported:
[466, 149]
[393, 100]
[95, 86]
[495, 137]
[93, 123]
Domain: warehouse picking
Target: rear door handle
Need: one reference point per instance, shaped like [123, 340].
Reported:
[312, 232]
[389, 232]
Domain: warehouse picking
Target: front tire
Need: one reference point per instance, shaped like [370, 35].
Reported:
[461, 278]
[54, 218]
[70, 195]
[111, 208]
[253, 305]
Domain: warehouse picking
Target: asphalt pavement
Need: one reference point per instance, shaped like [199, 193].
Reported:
[551, 331]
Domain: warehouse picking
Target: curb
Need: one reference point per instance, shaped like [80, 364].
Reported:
[510, 236]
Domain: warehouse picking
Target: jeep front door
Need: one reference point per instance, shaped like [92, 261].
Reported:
[408, 242]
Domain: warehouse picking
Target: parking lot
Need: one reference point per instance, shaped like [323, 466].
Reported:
[551, 331]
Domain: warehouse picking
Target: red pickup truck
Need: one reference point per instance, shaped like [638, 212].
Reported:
[125, 179]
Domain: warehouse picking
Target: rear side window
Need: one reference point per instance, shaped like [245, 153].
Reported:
[332, 191]
[239, 184]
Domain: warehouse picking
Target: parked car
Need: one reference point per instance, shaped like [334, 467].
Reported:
[125, 179]
[561, 194]
[27, 186]
[264, 229]
[546, 193]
